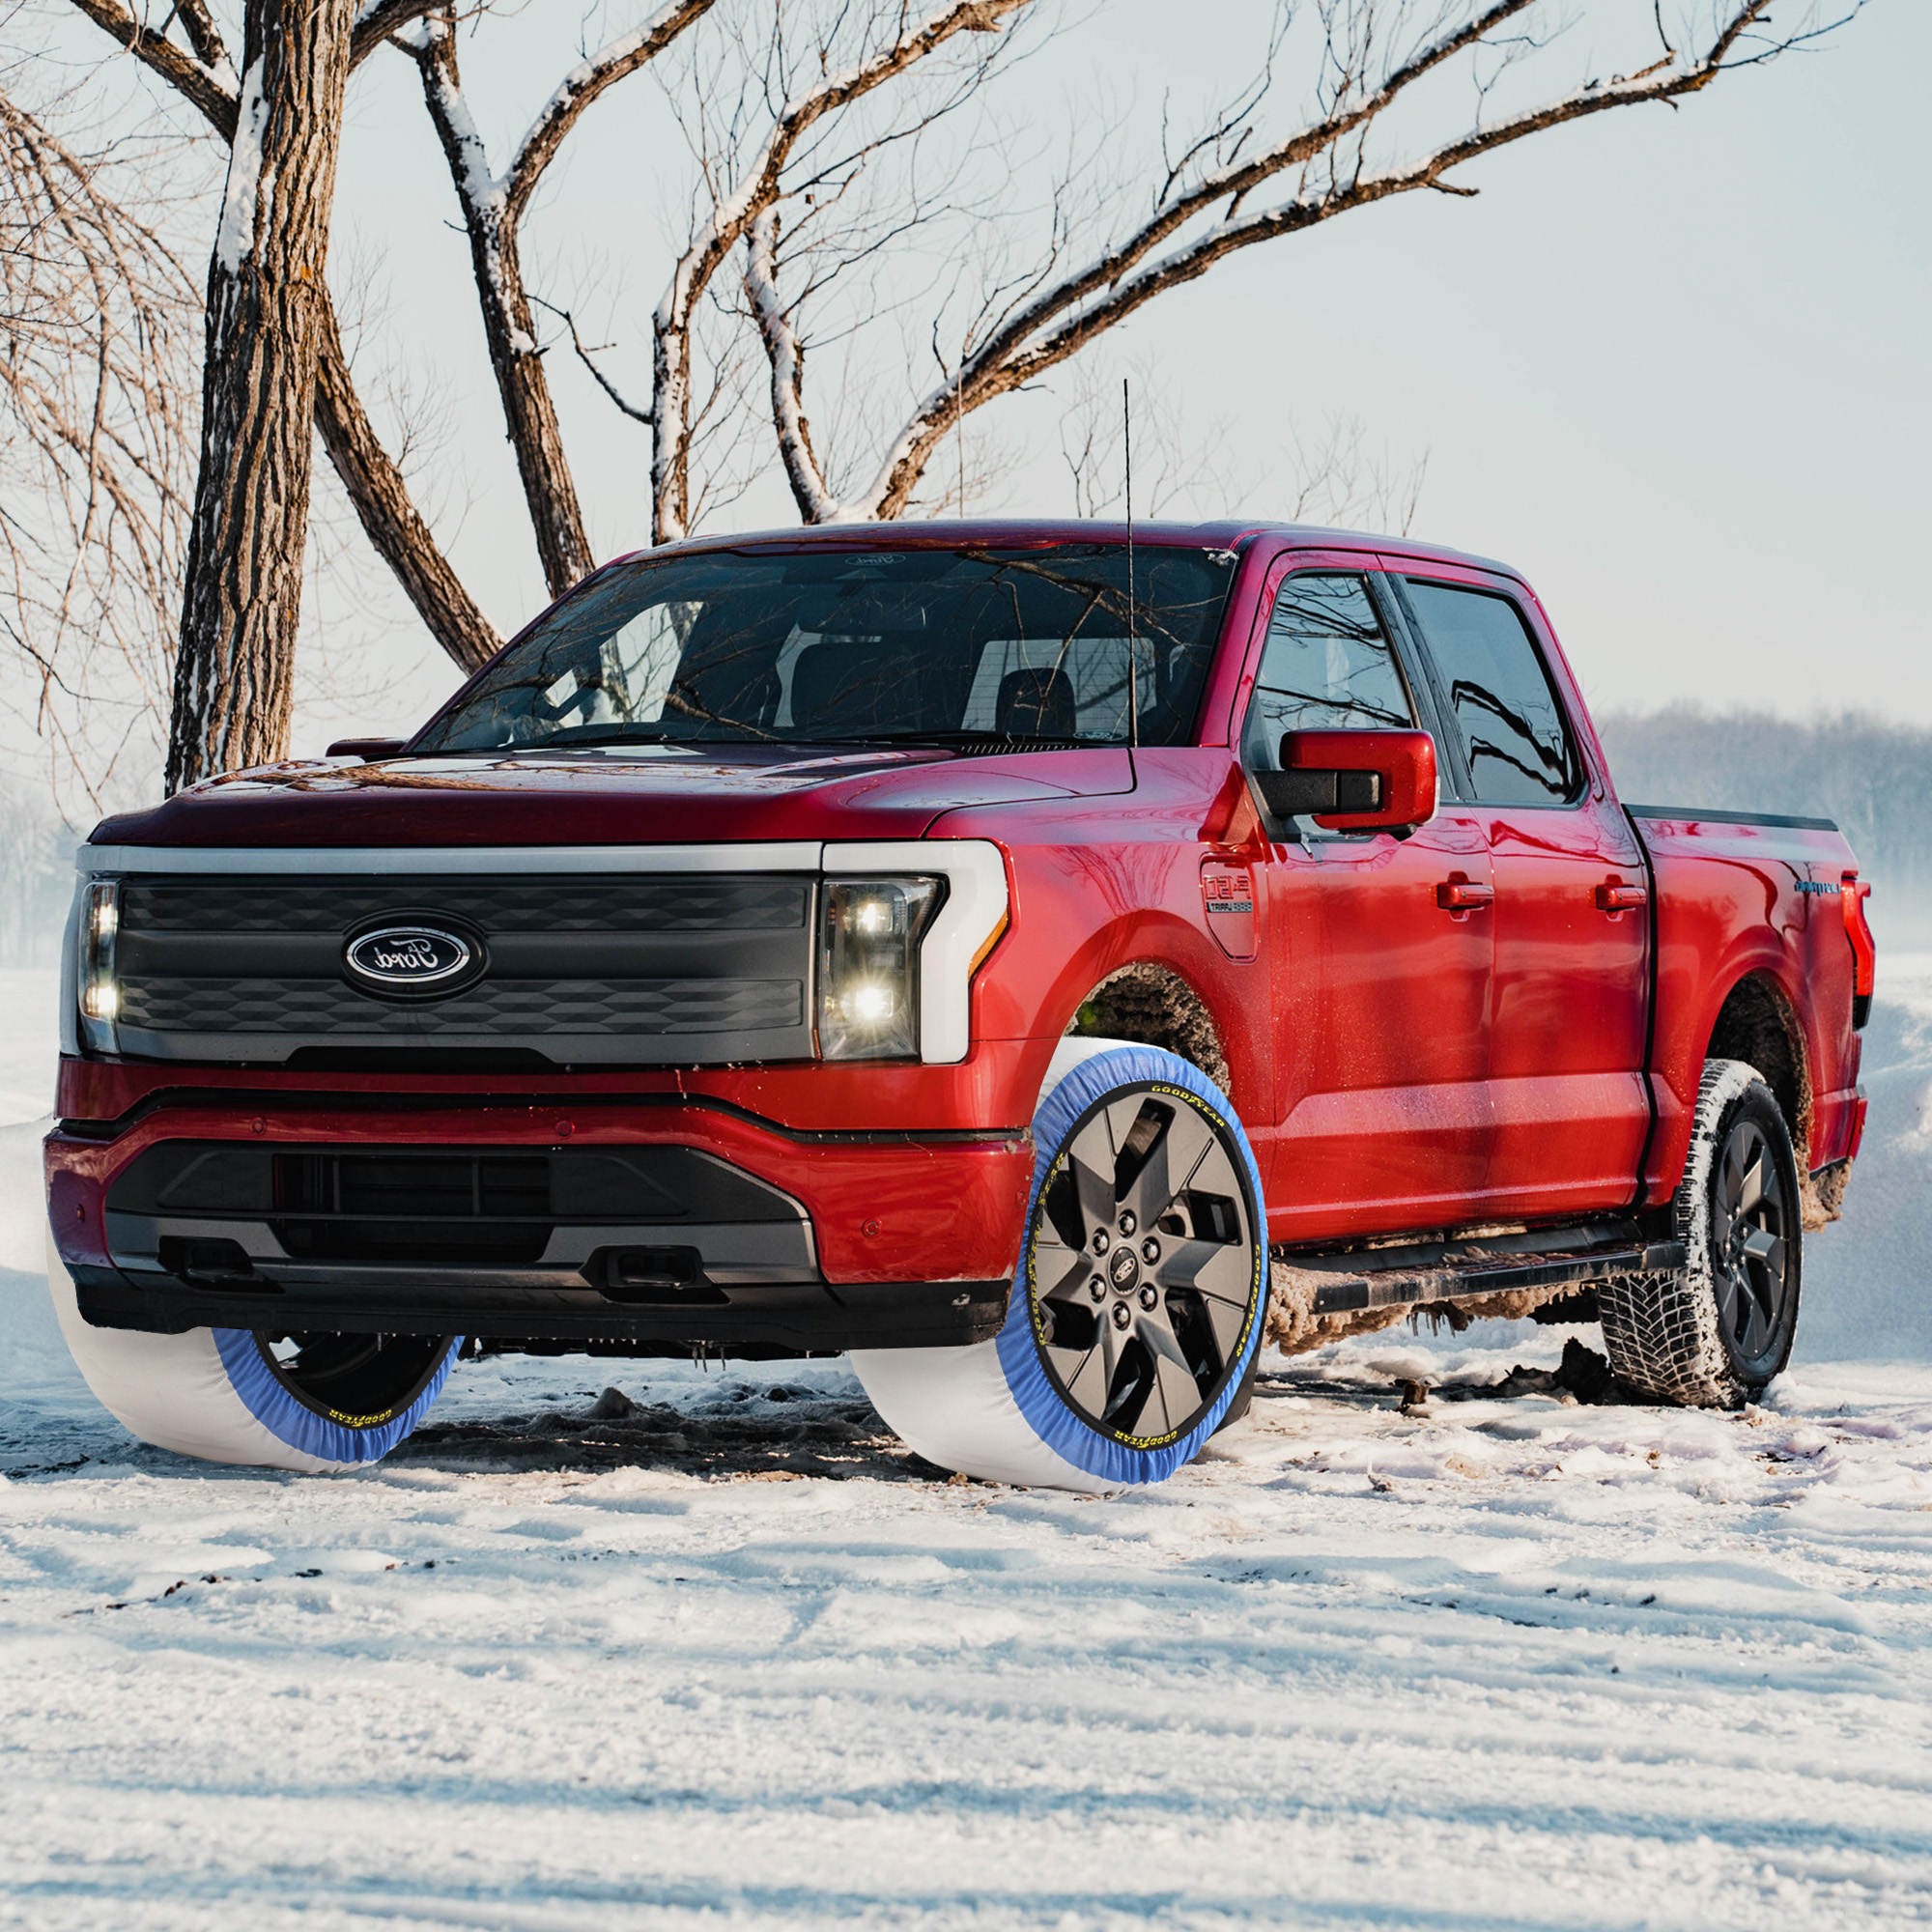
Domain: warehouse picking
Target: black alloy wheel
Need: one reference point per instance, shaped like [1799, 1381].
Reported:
[1749, 1225]
[1143, 1264]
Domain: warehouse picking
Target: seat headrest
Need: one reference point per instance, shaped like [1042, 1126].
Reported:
[1036, 703]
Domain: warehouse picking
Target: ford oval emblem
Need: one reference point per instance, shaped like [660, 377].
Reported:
[409, 958]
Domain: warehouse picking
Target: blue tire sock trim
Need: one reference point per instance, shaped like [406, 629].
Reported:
[1042, 1405]
[294, 1423]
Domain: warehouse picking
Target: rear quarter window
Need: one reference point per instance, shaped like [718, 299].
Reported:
[1503, 705]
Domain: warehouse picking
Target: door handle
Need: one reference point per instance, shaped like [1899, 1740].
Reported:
[1463, 896]
[1622, 898]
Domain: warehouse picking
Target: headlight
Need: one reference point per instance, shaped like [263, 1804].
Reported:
[99, 992]
[868, 966]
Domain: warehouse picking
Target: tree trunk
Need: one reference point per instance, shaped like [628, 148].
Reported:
[234, 679]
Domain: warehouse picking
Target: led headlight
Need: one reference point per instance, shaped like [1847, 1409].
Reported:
[868, 966]
[99, 991]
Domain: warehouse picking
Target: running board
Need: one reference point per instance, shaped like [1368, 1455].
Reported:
[1463, 1270]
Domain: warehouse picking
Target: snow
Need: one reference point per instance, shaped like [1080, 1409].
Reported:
[1506, 1662]
[235, 237]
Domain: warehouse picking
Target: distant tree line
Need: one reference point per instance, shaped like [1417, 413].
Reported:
[1874, 779]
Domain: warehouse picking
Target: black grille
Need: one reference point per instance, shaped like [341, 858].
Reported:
[375, 1206]
[618, 970]
[518, 1009]
[706, 903]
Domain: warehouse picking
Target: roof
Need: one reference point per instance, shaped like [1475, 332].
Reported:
[1227, 534]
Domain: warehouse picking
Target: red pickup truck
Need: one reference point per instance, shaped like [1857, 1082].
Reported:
[1045, 962]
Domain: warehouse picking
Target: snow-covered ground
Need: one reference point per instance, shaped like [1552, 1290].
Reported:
[1508, 1662]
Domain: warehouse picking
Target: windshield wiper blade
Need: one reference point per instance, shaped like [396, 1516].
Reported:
[615, 734]
[1045, 741]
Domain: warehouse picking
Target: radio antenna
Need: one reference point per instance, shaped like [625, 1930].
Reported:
[1133, 635]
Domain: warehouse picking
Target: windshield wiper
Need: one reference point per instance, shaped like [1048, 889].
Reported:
[615, 734]
[1018, 741]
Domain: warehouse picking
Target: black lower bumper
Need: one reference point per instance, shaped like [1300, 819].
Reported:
[765, 1317]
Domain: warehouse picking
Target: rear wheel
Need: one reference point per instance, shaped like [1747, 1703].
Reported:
[309, 1401]
[1137, 1304]
[1714, 1332]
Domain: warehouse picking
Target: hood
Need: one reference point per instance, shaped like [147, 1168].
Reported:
[655, 795]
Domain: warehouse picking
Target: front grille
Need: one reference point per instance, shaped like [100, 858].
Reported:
[705, 903]
[518, 1009]
[620, 970]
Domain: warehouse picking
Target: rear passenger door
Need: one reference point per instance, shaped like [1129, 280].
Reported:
[1572, 929]
[1382, 1010]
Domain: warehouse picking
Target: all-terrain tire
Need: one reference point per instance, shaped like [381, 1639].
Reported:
[1714, 1332]
[312, 1403]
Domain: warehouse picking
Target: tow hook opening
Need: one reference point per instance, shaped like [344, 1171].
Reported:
[655, 1277]
[212, 1261]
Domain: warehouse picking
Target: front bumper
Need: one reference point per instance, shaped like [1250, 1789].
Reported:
[603, 1223]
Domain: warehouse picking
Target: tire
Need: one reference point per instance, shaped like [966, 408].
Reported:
[311, 1402]
[1714, 1332]
[1100, 1388]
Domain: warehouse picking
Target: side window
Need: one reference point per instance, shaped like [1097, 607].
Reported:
[1513, 730]
[1327, 665]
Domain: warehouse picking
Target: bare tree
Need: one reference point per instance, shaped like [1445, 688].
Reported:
[97, 321]
[241, 596]
[197, 68]
[493, 207]
[1208, 201]
[764, 104]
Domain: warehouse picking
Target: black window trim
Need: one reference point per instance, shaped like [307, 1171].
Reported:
[1452, 782]
[1466, 785]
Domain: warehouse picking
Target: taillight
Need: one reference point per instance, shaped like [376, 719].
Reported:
[1853, 891]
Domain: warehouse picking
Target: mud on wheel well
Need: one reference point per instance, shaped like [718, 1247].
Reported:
[1757, 1025]
[1155, 1007]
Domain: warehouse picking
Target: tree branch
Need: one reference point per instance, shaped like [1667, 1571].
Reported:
[1069, 313]
[584, 84]
[732, 215]
[815, 501]
[212, 93]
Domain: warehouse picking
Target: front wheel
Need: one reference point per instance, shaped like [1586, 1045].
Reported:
[1714, 1332]
[1137, 1303]
[310, 1402]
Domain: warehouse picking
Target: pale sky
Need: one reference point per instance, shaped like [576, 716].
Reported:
[1671, 365]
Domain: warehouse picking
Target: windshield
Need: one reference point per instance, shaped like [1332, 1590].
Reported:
[982, 648]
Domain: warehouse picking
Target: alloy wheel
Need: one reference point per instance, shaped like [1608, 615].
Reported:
[1749, 1226]
[1142, 1264]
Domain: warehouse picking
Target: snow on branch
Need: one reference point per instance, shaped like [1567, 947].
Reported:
[210, 89]
[584, 83]
[1194, 226]
[787, 364]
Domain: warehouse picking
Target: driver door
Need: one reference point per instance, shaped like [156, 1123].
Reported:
[1381, 946]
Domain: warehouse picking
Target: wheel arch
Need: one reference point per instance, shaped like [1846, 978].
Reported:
[1151, 1003]
[1758, 1024]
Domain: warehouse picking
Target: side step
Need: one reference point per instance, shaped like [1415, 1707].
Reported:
[1492, 1264]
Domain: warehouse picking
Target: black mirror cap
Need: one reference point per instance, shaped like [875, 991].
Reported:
[1291, 794]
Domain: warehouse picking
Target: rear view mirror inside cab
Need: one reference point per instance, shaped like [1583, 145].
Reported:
[1354, 780]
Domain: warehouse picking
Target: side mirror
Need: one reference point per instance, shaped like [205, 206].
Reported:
[1354, 781]
[368, 749]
